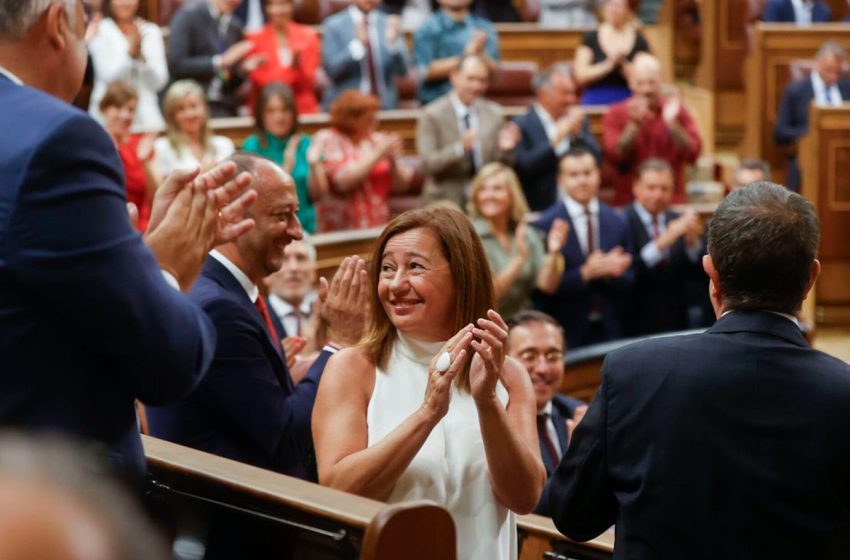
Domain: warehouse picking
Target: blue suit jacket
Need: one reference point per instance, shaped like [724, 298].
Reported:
[345, 72]
[571, 304]
[782, 11]
[246, 408]
[536, 162]
[734, 443]
[87, 323]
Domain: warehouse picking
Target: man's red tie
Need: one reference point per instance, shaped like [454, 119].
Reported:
[370, 62]
[264, 313]
[543, 432]
[655, 230]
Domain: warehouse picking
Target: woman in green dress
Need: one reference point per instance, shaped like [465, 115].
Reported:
[278, 139]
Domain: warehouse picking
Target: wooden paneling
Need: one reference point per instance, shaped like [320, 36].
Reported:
[775, 46]
[825, 165]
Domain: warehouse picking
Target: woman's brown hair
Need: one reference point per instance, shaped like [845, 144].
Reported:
[272, 90]
[349, 108]
[469, 268]
[118, 94]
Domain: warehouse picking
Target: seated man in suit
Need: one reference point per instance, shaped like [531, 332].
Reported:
[825, 86]
[461, 132]
[690, 446]
[750, 170]
[801, 12]
[206, 44]
[667, 253]
[653, 123]
[590, 301]
[363, 49]
[548, 129]
[247, 408]
[537, 341]
[292, 289]
[88, 323]
[447, 35]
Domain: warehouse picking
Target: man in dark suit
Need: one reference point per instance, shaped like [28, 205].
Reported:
[590, 300]
[537, 341]
[667, 253]
[88, 324]
[548, 129]
[363, 49]
[696, 446]
[803, 12]
[247, 407]
[825, 86]
[206, 45]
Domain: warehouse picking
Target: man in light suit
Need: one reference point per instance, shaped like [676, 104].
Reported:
[88, 324]
[247, 407]
[363, 49]
[668, 251]
[548, 129]
[826, 85]
[206, 44]
[692, 445]
[460, 132]
[590, 301]
[801, 12]
[537, 341]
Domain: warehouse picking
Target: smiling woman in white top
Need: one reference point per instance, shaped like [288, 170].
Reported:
[188, 141]
[129, 49]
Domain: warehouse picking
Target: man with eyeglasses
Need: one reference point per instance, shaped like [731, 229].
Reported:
[537, 341]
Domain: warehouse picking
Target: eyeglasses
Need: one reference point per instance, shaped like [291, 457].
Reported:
[531, 357]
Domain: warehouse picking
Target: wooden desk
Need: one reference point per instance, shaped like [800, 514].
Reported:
[825, 164]
[323, 523]
[538, 536]
[774, 47]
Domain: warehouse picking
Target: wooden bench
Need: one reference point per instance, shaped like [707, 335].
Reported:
[825, 164]
[311, 521]
[538, 536]
[775, 47]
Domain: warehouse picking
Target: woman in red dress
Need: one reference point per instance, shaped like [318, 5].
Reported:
[285, 51]
[118, 107]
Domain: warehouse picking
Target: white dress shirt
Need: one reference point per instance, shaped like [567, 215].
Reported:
[250, 288]
[825, 96]
[551, 129]
[286, 312]
[14, 78]
[802, 11]
[578, 216]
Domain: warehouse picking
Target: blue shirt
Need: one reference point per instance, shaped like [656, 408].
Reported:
[442, 37]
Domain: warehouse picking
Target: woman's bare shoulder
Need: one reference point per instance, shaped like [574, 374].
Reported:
[350, 367]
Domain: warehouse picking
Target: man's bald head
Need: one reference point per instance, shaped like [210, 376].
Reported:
[645, 77]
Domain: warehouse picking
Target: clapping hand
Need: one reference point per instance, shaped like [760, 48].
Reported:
[573, 422]
[491, 335]
[292, 346]
[393, 29]
[617, 262]
[476, 42]
[509, 136]
[344, 303]
[438, 393]
[638, 108]
[520, 240]
[672, 108]
[557, 236]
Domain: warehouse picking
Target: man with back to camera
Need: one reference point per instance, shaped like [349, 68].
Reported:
[87, 321]
[537, 341]
[692, 445]
[591, 298]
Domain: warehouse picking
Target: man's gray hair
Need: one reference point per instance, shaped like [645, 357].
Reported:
[18, 16]
[542, 78]
[832, 48]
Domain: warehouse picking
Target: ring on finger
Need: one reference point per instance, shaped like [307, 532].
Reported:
[444, 362]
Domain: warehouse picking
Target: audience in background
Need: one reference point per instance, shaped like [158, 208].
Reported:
[653, 123]
[362, 165]
[129, 49]
[363, 49]
[750, 171]
[292, 289]
[549, 128]
[569, 13]
[518, 258]
[277, 138]
[827, 85]
[596, 284]
[461, 132]
[289, 53]
[605, 55]
[118, 107]
[250, 13]
[447, 35]
[668, 251]
[206, 45]
[413, 12]
[536, 340]
[503, 11]
[188, 141]
[801, 12]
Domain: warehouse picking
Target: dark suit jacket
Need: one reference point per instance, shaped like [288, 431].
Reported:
[734, 443]
[792, 118]
[87, 323]
[192, 44]
[563, 408]
[571, 304]
[783, 11]
[659, 302]
[246, 408]
[536, 162]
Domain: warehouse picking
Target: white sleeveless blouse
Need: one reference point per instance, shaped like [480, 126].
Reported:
[451, 467]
